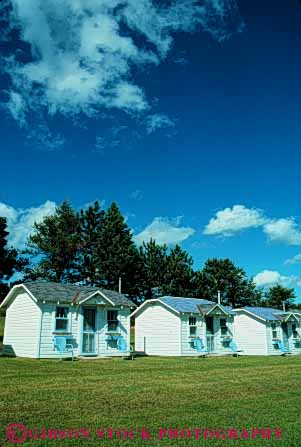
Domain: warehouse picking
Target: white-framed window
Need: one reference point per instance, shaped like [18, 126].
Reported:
[192, 326]
[295, 330]
[61, 318]
[112, 320]
[275, 331]
[223, 326]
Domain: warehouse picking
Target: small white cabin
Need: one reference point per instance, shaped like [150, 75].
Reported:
[92, 320]
[267, 331]
[173, 326]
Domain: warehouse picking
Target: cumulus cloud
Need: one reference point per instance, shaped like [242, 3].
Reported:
[165, 231]
[229, 221]
[20, 221]
[16, 106]
[82, 52]
[283, 230]
[294, 260]
[158, 121]
[269, 278]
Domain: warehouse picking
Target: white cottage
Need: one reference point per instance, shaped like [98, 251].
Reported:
[93, 321]
[267, 331]
[173, 326]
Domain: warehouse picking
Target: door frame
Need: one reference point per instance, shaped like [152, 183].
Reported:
[210, 334]
[81, 338]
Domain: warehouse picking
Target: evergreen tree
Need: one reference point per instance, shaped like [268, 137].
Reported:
[55, 242]
[10, 262]
[222, 275]
[116, 254]
[277, 295]
[179, 277]
[91, 226]
[154, 268]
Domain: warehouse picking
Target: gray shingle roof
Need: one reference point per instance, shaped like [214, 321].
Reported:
[52, 291]
[191, 305]
[267, 313]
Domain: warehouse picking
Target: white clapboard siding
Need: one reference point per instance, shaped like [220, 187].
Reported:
[103, 347]
[250, 334]
[187, 348]
[222, 347]
[48, 327]
[273, 349]
[294, 347]
[157, 331]
[287, 339]
[22, 323]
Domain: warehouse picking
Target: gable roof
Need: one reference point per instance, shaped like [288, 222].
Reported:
[71, 293]
[182, 304]
[267, 313]
[187, 305]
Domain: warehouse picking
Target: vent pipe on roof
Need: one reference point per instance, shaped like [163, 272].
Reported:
[119, 284]
[283, 304]
[219, 297]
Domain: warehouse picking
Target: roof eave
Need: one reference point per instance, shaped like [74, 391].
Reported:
[11, 294]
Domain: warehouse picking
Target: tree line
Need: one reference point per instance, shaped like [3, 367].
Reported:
[96, 247]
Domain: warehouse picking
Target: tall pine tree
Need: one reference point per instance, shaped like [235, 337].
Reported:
[222, 275]
[91, 227]
[55, 242]
[278, 295]
[116, 255]
[179, 277]
[154, 268]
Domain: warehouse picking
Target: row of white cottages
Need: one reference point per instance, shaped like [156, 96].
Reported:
[50, 320]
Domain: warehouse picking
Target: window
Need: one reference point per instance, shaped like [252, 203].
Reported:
[295, 331]
[223, 326]
[112, 318]
[274, 330]
[61, 319]
[192, 326]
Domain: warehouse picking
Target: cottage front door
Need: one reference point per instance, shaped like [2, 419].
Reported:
[89, 329]
[210, 333]
[285, 335]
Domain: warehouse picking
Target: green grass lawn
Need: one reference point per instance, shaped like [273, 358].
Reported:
[153, 393]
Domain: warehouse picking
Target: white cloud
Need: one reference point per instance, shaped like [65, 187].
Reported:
[268, 278]
[20, 221]
[158, 121]
[165, 231]
[42, 137]
[294, 260]
[283, 230]
[16, 106]
[136, 195]
[229, 221]
[81, 60]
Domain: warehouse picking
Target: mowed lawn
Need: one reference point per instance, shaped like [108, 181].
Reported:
[153, 393]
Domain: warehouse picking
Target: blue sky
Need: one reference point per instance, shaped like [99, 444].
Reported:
[188, 116]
